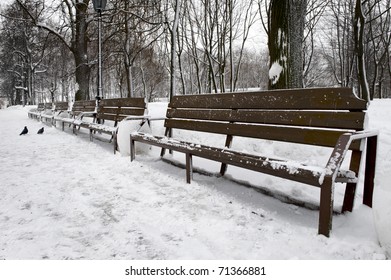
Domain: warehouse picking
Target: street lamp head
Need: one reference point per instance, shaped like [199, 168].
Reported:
[99, 5]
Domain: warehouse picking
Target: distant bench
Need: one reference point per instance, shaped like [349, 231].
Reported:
[106, 117]
[327, 117]
[51, 111]
[110, 112]
[80, 109]
[47, 111]
[36, 112]
[42, 109]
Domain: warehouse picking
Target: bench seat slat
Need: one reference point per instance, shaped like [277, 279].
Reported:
[289, 170]
[300, 135]
[328, 119]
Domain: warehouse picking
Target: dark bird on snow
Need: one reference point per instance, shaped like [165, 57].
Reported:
[40, 131]
[24, 131]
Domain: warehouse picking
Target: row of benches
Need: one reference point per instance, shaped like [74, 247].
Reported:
[103, 118]
[326, 117]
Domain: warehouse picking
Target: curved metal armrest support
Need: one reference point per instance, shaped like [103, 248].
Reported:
[342, 146]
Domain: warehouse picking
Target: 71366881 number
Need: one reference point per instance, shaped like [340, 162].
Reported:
[224, 270]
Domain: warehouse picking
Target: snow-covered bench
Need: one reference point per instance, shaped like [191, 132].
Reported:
[80, 109]
[56, 109]
[41, 109]
[36, 112]
[329, 117]
[110, 112]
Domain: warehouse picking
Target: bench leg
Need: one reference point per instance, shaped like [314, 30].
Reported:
[350, 190]
[115, 143]
[91, 135]
[189, 167]
[162, 152]
[228, 144]
[167, 133]
[370, 167]
[132, 150]
[326, 207]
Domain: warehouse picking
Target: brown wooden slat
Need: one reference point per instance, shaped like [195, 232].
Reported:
[111, 117]
[124, 102]
[85, 103]
[61, 106]
[329, 119]
[108, 117]
[311, 98]
[121, 111]
[83, 106]
[310, 136]
[275, 167]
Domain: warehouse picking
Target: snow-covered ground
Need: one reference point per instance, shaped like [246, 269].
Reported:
[64, 197]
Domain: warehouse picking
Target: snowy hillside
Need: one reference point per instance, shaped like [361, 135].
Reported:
[64, 197]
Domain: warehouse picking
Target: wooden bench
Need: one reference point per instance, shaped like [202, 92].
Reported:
[327, 117]
[80, 109]
[36, 112]
[110, 112]
[59, 109]
[55, 110]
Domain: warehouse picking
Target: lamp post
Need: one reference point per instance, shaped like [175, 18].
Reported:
[99, 6]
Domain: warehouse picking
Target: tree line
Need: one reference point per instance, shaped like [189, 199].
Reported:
[161, 48]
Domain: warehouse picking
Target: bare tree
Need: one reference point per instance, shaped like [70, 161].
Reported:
[25, 50]
[75, 16]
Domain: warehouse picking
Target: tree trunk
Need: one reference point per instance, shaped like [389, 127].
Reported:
[359, 23]
[278, 44]
[285, 43]
[174, 31]
[297, 13]
[79, 50]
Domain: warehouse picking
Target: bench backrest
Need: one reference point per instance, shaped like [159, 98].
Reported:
[316, 116]
[117, 109]
[83, 106]
[41, 106]
[48, 106]
[61, 106]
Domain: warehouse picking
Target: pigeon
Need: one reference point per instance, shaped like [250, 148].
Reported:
[40, 131]
[24, 131]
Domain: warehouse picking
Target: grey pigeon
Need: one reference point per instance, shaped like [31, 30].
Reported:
[40, 131]
[24, 131]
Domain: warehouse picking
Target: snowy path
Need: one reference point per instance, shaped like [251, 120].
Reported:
[63, 197]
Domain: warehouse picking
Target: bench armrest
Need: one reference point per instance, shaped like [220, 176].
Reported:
[341, 148]
[86, 114]
[129, 118]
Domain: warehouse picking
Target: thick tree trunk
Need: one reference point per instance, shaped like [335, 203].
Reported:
[82, 77]
[79, 50]
[297, 15]
[285, 43]
[278, 45]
